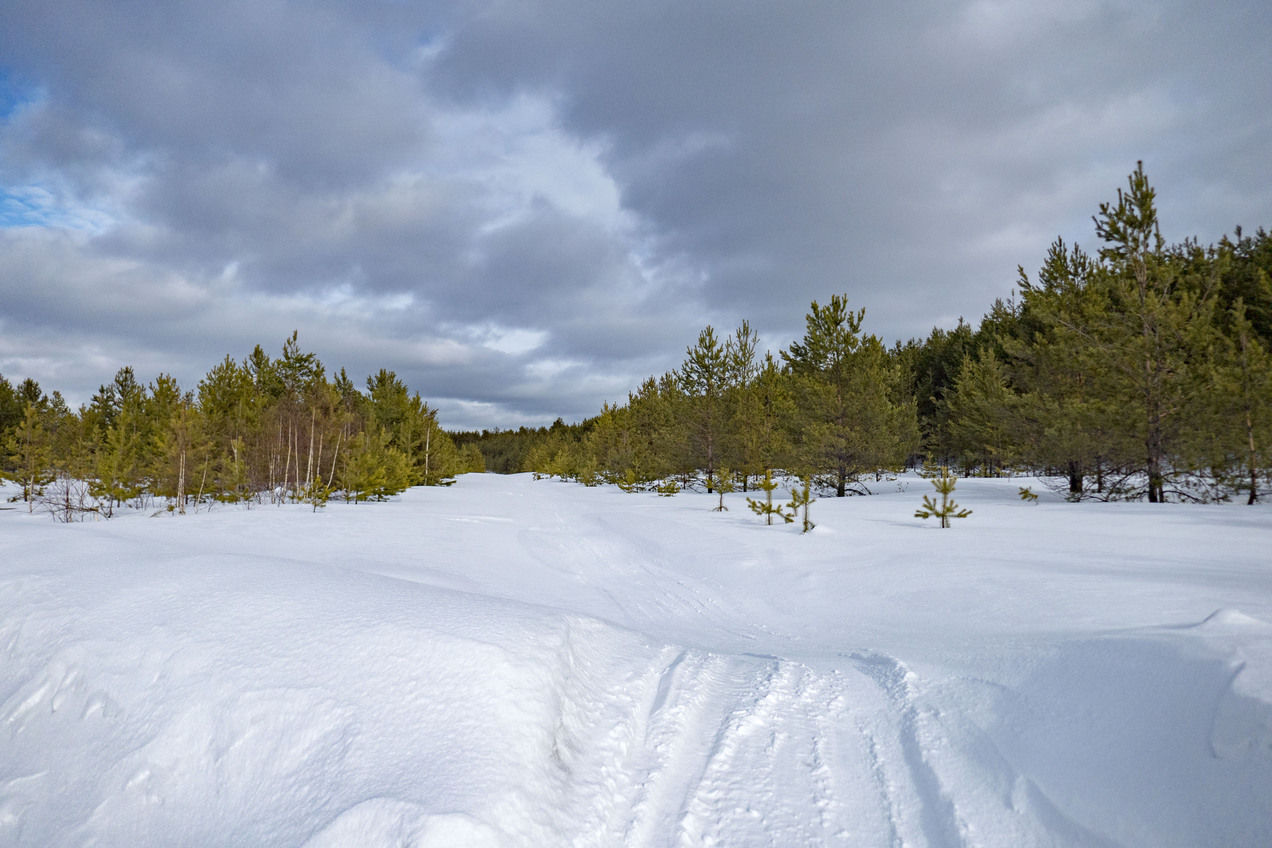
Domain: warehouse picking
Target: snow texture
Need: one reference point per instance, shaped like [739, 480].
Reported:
[512, 662]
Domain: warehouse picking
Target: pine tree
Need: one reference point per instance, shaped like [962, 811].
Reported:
[1240, 388]
[120, 455]
[179, 456]
[293, 380]
[929, 371]
[1065, 417]
[762, 419]
[11, 411]
[1160, 322]
[724, 485]
[616, 446]
[374, 470]
[702, 379]
[1109, 360]
[766, 507]
[947, 508]
[28, 450]
[854, 417]
[801, 497]
[471, 459]
[984, 419]
[230, 407]
[710, 378]
[1245, 276]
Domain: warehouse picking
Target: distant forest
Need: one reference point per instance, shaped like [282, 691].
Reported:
[258, 431]
[1141, 371]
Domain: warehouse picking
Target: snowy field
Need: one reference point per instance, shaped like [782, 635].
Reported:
[511, 662]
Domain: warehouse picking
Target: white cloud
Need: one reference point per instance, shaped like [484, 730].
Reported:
[512, 341]
[522, 158]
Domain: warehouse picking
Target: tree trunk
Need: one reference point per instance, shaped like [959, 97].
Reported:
[1075, 477]
[1252, 449]
[309, 467]
[1254, 457]
[334, 457]
[181, 463]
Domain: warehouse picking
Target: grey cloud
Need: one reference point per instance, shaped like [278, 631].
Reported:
[404, 182]
[847, 132]
[259, 79]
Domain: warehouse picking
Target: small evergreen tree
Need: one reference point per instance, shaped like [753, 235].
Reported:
[629, 482]
[766, 507]
[316, 493]
[947, 509]
[800, 499]
[374, 470]
[723, 485]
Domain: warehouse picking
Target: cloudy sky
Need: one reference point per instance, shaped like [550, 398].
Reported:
[524, 207]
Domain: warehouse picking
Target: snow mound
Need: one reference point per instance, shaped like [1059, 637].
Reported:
[520, 663]
[1228, 619]
[387, 821]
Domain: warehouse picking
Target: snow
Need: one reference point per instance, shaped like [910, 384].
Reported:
[518, 662]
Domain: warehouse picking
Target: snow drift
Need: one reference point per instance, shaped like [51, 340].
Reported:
[512, 662]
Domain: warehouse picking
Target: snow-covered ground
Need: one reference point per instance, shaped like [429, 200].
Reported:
[519, 662]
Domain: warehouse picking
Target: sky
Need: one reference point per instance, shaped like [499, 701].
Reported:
[525, 207]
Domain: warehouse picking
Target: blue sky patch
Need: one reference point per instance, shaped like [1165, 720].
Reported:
[25, 206]
[36, 206]
[14, 93]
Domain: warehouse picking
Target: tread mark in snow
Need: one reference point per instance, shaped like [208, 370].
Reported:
[938, 817]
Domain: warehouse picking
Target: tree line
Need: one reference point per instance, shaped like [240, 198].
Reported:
[1140, 371]
[262, 430]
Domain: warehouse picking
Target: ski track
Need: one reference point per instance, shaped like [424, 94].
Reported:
[711, 749]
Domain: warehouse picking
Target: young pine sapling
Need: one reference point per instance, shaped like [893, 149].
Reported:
[802, 498]
[723, 484]
[766, 507]
[947, 509]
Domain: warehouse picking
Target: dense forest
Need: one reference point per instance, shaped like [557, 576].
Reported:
[258, 431]
[1139, 371]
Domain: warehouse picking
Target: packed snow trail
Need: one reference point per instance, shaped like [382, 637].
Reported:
[524, 663]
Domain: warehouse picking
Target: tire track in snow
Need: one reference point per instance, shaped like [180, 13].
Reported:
[753, 750]
[938, 818]
[696, 748]
[757, 750]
